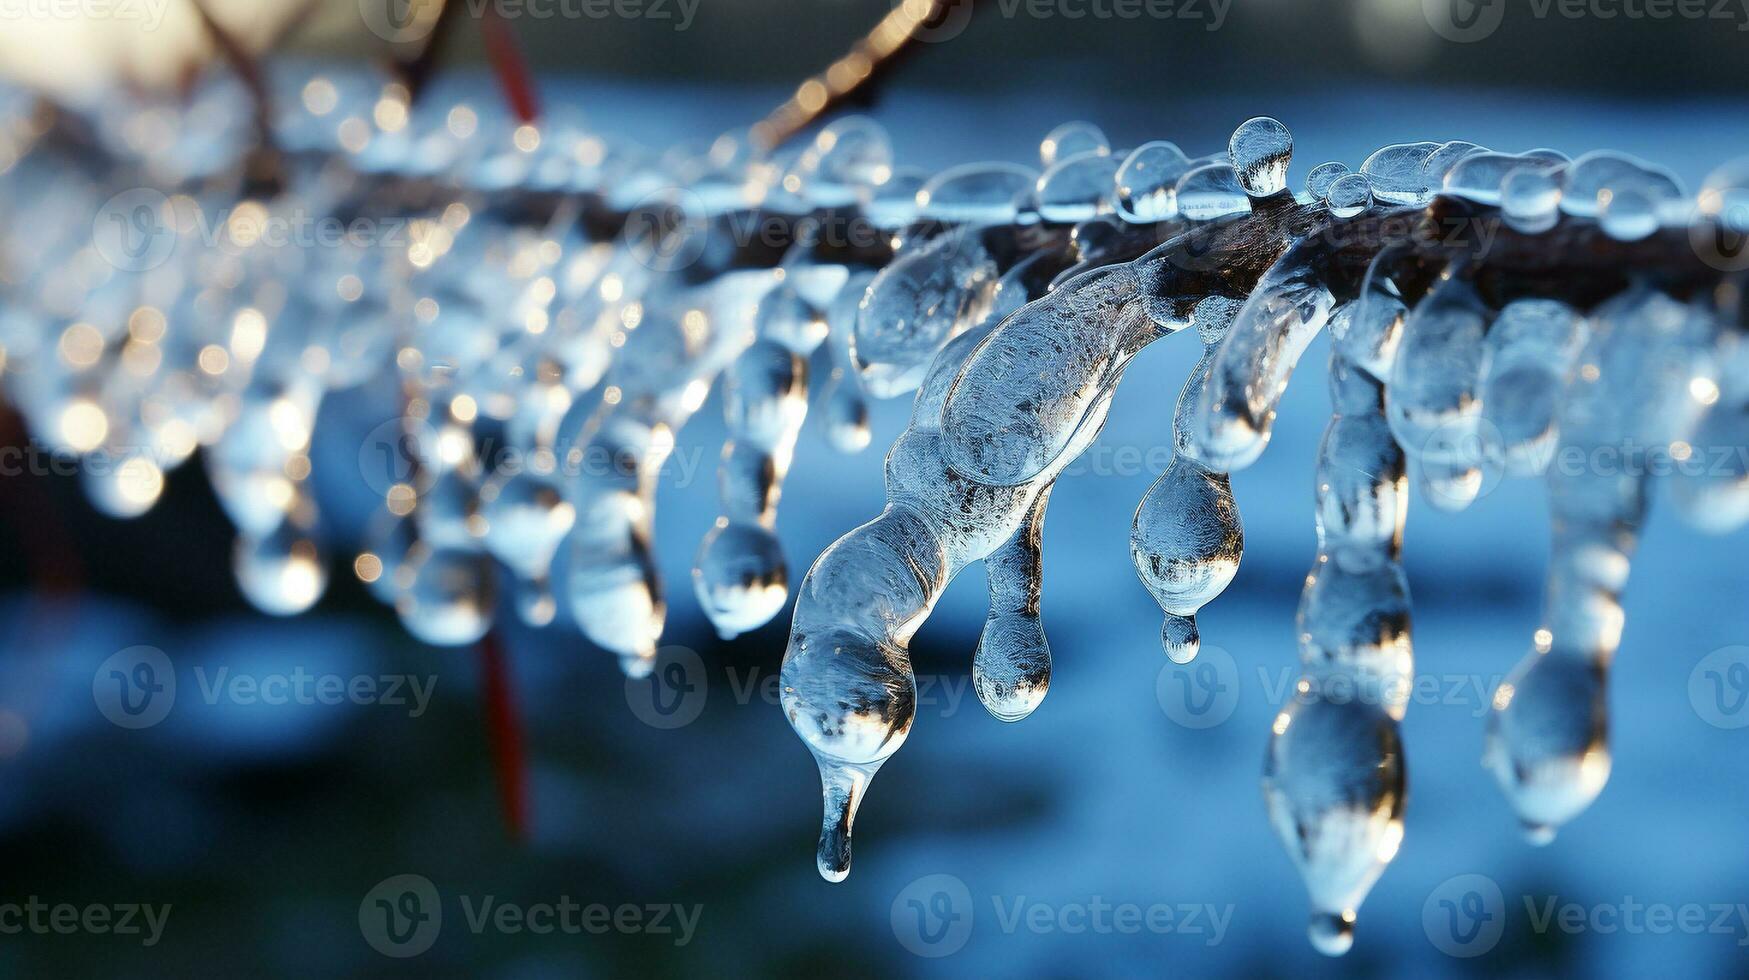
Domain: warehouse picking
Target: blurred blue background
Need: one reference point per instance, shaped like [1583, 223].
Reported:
[265, 827]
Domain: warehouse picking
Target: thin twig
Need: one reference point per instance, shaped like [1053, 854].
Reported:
[871, 56]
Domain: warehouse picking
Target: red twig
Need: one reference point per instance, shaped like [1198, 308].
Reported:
[504, 730]
[509, 65]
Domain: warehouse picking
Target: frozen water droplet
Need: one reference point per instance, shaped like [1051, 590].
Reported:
[1398, 174]
[1594, 179]
[526, 520]
[1439, 163]
[1349, 195]
[1629, 215]
[1186, 539]
[1211, 191]
[1077, 188]
[852, 702]
[449, 598]
[1530, 198]
[1322, 176]
[892, 203]
[1546, 738]
[1072, 139]
[282, 573]
[1481, 176]
[1180, 638]
[741, 578]
[975, 193]
[1331, 933]
[1147, 183]
[1260, 150]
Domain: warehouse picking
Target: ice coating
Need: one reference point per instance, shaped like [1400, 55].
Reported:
[1236, 413]
[1333, 775]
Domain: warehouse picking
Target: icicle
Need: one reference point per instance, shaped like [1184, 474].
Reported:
[1548, 731]
[1011, 670]
[1333, 776]
[740, 574]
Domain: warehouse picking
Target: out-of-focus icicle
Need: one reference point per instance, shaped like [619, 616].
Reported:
[1639, 387]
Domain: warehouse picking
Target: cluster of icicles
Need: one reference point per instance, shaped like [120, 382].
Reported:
[1009, 300]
